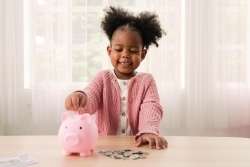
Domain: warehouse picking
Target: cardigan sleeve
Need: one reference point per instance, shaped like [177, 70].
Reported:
[151, 111]
[94, 94]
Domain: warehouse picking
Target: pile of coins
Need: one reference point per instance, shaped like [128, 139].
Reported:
[125, 154]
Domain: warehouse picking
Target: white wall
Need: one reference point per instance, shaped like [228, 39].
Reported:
[15, 111]
[1, 69]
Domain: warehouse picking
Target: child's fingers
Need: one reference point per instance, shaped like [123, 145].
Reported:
[75, 102]
[82, 100]
[67, 103]
[151, 143]
[158, 143]
[138, 142]
[82, 110]
[154, 142]
[165, 143]
[162, 142]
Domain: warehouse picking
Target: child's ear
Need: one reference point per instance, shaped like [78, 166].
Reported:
[143, 54]
[109, 50]
[85, 117]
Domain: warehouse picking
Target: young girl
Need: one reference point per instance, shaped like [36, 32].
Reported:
[126, 102]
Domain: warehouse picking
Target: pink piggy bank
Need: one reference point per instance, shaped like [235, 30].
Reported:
[78, 134]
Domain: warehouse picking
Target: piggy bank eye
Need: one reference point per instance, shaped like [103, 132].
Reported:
[80, 127]
[66, 127]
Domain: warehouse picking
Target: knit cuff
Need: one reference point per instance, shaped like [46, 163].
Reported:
[147, 130]
[80, 91]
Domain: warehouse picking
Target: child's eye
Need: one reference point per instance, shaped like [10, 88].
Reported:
[118, 50]
[134, 50]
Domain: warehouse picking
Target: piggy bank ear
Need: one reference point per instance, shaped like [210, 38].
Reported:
[85, 117]
[93, 117]
[65, 115]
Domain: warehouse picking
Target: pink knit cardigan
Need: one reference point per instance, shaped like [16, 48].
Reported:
[144, 109]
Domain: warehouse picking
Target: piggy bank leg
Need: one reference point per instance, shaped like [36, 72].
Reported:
[87, 153]
[66, 153]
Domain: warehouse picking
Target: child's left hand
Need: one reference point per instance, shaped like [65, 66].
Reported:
[153, 140]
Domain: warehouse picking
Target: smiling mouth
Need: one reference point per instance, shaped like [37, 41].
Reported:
[125, 64]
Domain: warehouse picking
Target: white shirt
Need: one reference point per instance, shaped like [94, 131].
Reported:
[124, 128]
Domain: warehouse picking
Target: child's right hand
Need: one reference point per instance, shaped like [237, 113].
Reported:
[75, 101]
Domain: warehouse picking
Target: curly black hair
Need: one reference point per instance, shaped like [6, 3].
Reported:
[146, 24]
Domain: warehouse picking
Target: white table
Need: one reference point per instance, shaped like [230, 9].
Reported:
[182, 152]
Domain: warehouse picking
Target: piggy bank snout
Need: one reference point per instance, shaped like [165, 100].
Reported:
[71, 139]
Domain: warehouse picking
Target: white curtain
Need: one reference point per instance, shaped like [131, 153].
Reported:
[1, 71]
[202, 66]
[212, 97]
[13, 119]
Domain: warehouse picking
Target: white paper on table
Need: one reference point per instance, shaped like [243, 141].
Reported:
[22, 160]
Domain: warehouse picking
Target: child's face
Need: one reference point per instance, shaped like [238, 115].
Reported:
[126, 52]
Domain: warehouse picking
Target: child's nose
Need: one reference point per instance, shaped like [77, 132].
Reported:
[125, 53]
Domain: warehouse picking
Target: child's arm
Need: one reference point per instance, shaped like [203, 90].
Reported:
[75, 101]
[93, 93]
[86, 101]
[149, 119]
[150, 111]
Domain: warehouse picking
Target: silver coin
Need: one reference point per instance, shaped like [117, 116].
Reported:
[124, 154]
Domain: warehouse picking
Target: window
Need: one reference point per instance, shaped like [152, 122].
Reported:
[57, 35]
[231, 41]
